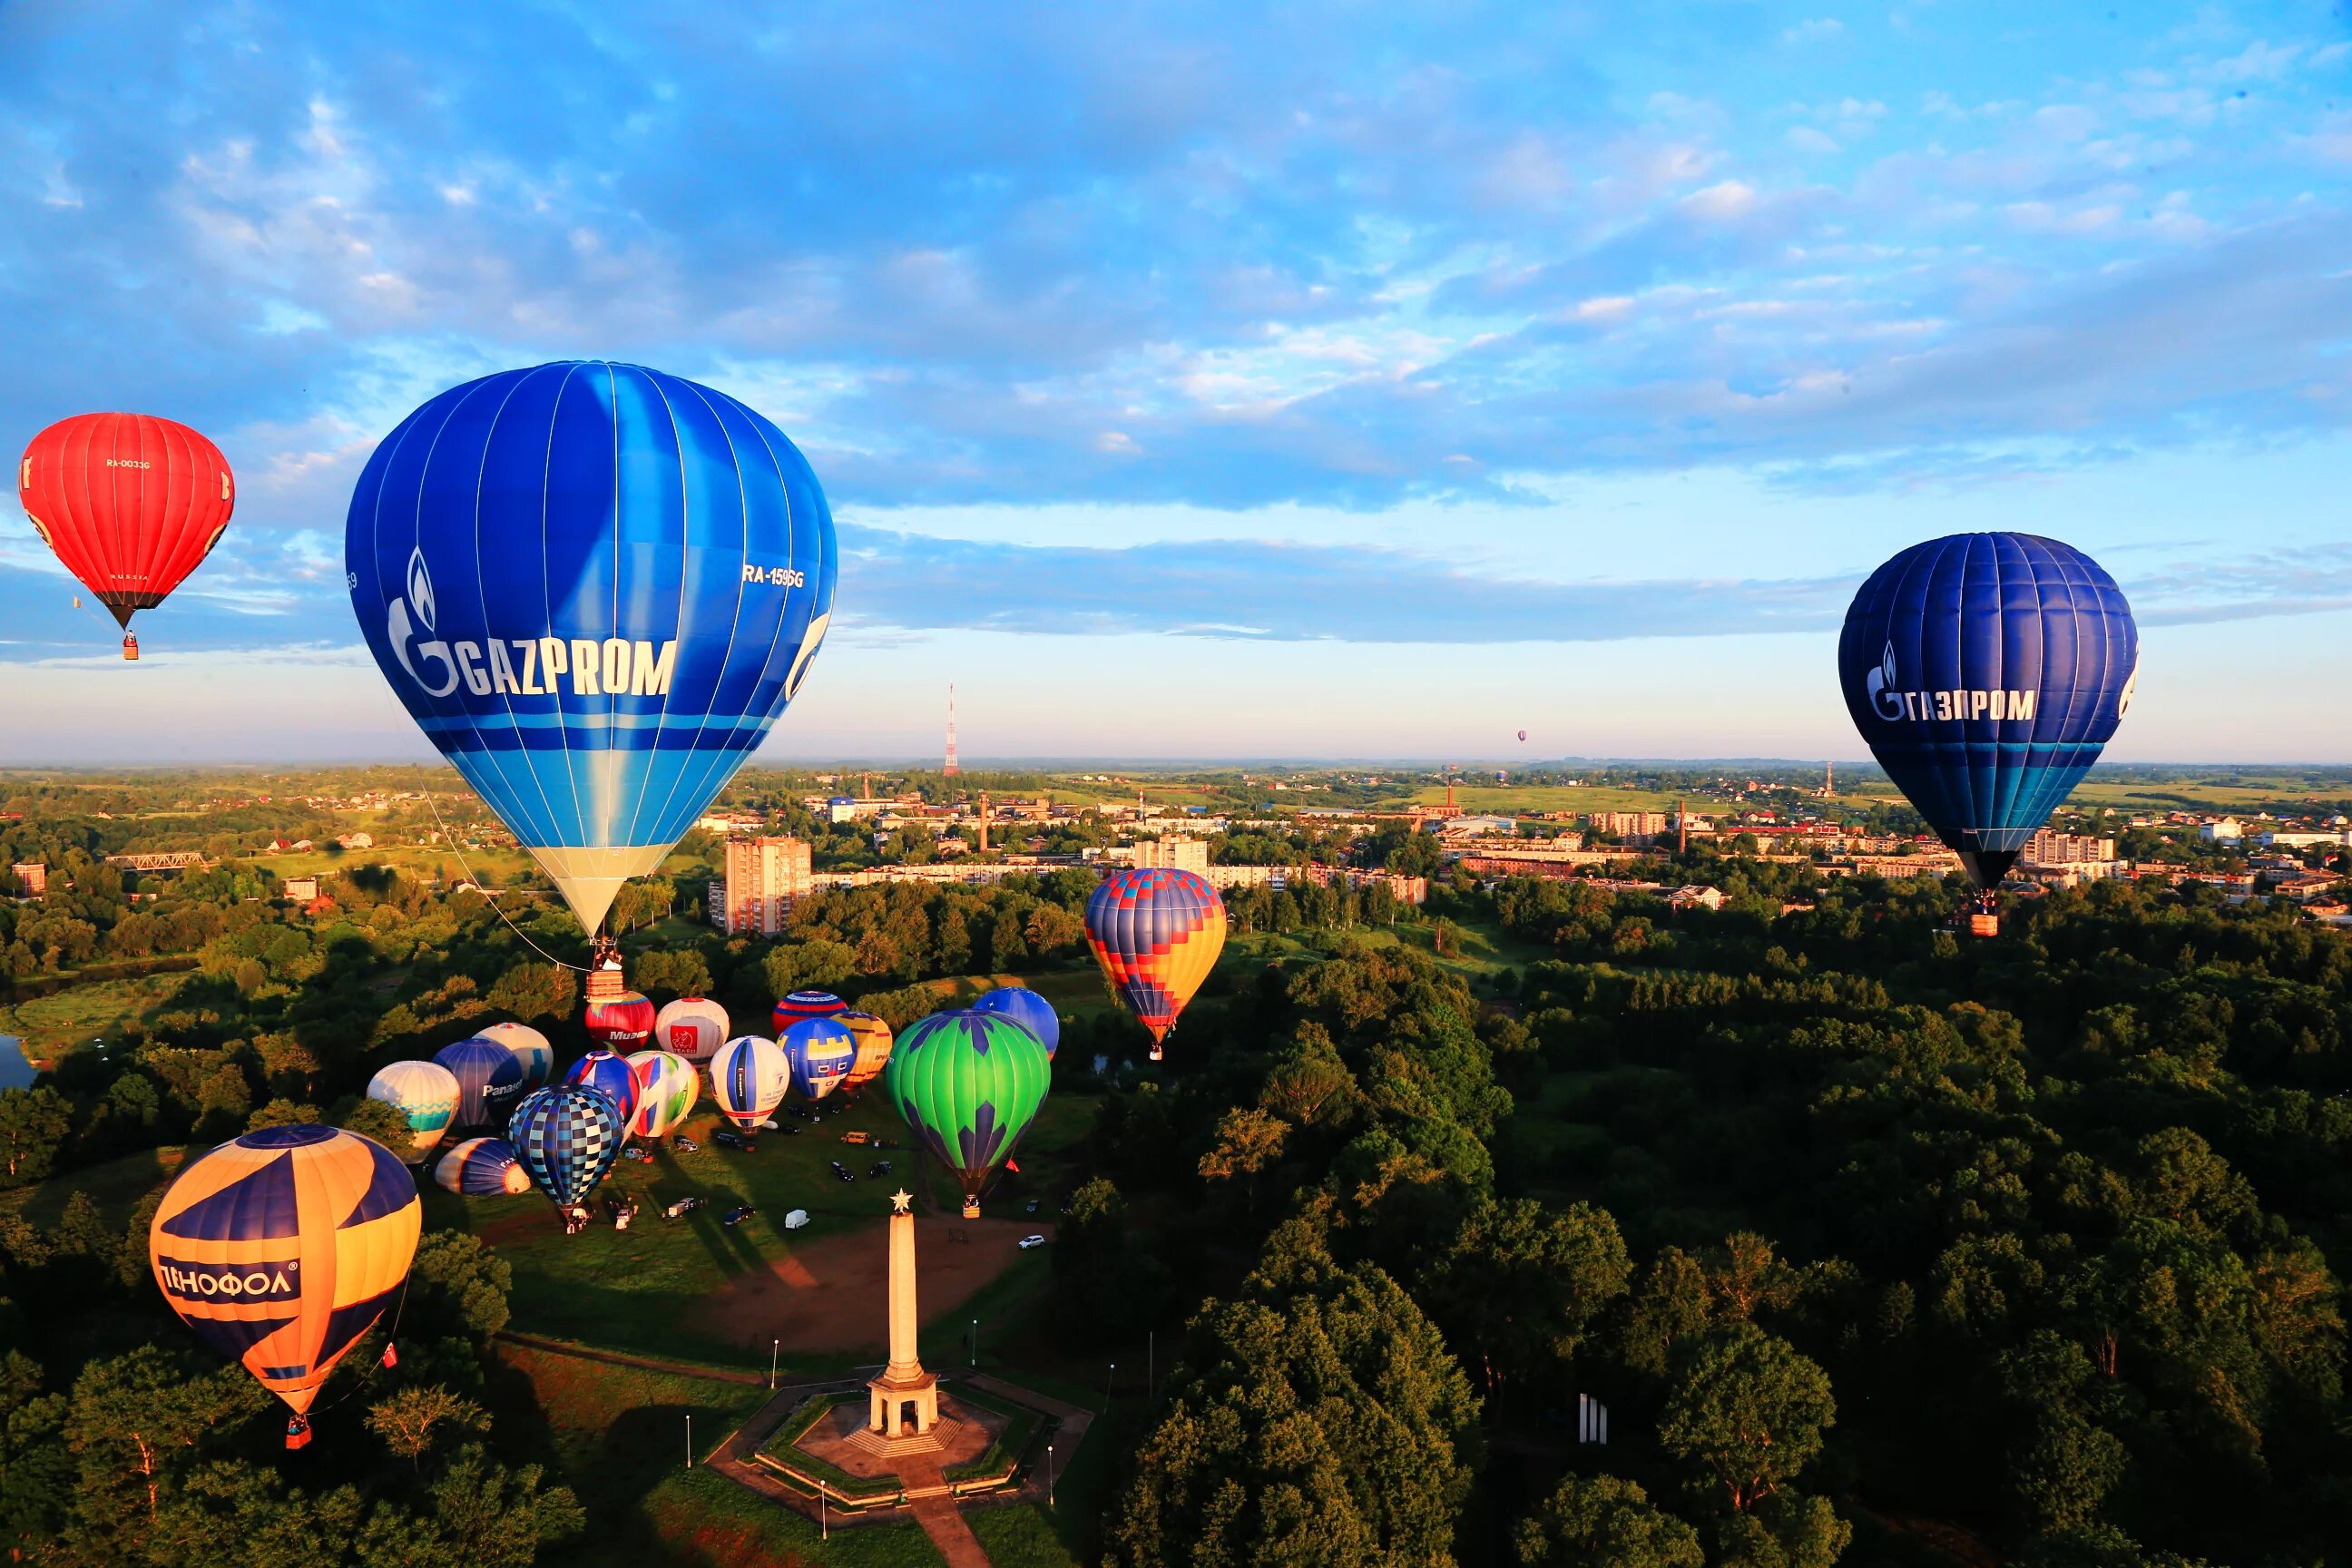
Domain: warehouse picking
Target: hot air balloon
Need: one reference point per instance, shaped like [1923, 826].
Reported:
[1157, 932]
[1986, 672]
[670, 1089]
[425, 1093]
[618, 1023]
[482, 1168]
[967, 1085]
[530, 1048]
[1026, 1008]
[748, 1076]
[594, 587]
[693, 1026]
[283, 1248]
[804, 1004]
[489, 1081]
[130, 503]
[567, 1137]
[614, 1077]
[821, 1052]
[873, 1047]
[1523, 734]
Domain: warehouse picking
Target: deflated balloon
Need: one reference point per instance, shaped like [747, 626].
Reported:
[749, 1077]
[282, 1247]
[425, 1093]
[130, 503]
[1157, 932]
[482, 1168]
[567, 1137]
[1986, 672]
[1026, 1008]
[821, 1052]
[967, 1085]
[594, 587]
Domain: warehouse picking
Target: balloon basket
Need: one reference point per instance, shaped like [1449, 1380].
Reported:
[1984, 925]
[297, 1432]
[130, 647]
[971, 1208]
[1157, 1053]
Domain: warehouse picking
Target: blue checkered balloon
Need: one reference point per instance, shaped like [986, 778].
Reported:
[567, 1137]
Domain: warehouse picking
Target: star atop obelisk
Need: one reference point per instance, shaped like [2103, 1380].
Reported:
[899, 1199]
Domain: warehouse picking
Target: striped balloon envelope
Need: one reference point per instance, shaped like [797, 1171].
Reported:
[482, 1168]
[1157, 932]
[489, 1081]
[821, 1052]
[567, 1137]
[749, 1077]
[530, 1048]
[967, 1085]
[1026, 1008]
[669, 1096]
[425, 1093]
[692, 1027]
[614, 1077]
[873, 1047]
[804, 1004]
[594, 587]
[281, 1248]
[618, 1023]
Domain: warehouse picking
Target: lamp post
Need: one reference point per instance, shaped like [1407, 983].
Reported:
[689, 1439]
[1108, 1381]
[824, 1518]
[1049, 1475]
[975, 1341]
[774, 1347]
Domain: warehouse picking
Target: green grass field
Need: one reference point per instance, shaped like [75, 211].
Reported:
[95, 1009]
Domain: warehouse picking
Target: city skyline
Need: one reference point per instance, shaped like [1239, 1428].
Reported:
[1377, 399]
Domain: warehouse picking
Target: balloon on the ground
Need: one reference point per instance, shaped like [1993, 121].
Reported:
[873, 1046]
[693, 1026]
[821, 1052]
[594, 587]
[667, 1095]
[530, 1048]
[620, 1023]
[1986, 672]
[482, 1168]
[425, 1093]
[282, 1247]
[749, 1077]
[567, 1137]
[613, 1076]
[1026, 1008]
[130, 503]
[1157, 932]
[802, 1005]
[967, 1085]
[489, 1081]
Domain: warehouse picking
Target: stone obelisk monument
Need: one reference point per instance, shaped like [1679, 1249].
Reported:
[903, 1403]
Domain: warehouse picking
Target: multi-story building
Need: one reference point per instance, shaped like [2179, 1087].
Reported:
[2048, 848]
[764, 876]
[1629, 824]
[33, 875]
[1176, 853]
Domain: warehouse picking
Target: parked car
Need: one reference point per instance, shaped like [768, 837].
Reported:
[797, 1218]
[843, 1172]
[683, 1206]
[727, 1138]
[880, 1168]
[638, 1152]
[790, 1132]
[856, 1136]
[737, 1215]
[684, 1145]
[1029, 1241]
[1029, 1207]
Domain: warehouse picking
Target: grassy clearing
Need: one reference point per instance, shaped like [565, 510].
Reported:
[115, 1187]
[703, 1519]
[1021, 1536]
[80, 1014]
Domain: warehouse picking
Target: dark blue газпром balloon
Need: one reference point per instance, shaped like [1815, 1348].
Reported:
[1986, 670]
[593, 586]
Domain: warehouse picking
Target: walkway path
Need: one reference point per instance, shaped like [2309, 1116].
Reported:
[938, 1515]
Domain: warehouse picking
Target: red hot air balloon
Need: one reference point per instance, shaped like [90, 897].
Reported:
[130, 503]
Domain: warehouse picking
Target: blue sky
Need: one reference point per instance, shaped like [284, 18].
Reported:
[1319, 381]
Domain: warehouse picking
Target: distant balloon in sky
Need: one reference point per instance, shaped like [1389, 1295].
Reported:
[670, 1092]
[482, 1168]
[567, 1137]
[593, 586]
[282, 1247]
[130, 504]
[425, 1093]
[1523, 734]
[693, 1026]
[821, 1052]
[489, 1081]
[1157, 934]
[1986, 672]
[530, 1048]
[967, 1085]
[749, 1077]
[1026, 1008]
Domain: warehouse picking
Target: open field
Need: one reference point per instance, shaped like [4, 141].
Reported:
[95, 1009]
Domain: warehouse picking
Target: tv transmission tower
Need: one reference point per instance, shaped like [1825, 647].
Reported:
[950, 770]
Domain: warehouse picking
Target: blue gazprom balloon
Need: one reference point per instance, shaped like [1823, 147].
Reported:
[594, 586]
[1986, 670]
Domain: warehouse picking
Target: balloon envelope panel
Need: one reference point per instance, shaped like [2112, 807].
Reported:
[804, 1004]
[567, 1138]
[873, 1046]
[749, 1077]
[130, 503]
[615, 1077]
[594, 587]
[284, 1246]
[967, 1085]
[1157, 934]
[489, 1081]
[1986, 672]
[821, 1052]
[482, 1168]
[530, 1048]
[693, 1026]
[668, 1095]
[1026, 1008]
[425, 1093]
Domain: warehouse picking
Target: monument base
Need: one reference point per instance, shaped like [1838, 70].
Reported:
[943, 1434]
